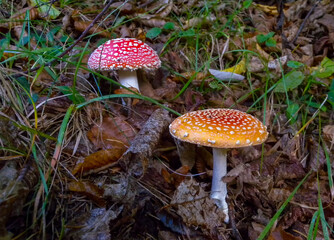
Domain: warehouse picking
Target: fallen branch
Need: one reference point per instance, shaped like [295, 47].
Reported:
[134, 160]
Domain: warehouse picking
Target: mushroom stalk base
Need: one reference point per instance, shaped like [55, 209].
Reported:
[218, 189]
[128, 78]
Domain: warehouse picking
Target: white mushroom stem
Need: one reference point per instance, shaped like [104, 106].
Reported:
[128, 78]
[218, 189]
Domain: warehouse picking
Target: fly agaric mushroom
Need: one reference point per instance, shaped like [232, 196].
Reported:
[125, 55]
[219, 129]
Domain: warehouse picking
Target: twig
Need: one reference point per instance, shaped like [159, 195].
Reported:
[134, 160]
[83, 34]
[304, 21]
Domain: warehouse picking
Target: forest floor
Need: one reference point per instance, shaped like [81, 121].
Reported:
[82, 158]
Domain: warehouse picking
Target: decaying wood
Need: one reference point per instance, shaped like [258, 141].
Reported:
[136, 157]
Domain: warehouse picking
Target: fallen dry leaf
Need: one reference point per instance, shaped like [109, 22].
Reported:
[328, 132]
[176, 177]
[317, 155]
[114, 132]
[125, 91]
[17, 18]
[98, 161]
[281, 234]
[83, 25]
[88, 189]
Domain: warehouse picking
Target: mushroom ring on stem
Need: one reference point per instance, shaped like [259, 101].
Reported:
[219, 129]
[125, 55]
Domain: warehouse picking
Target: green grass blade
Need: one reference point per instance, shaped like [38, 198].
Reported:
[280, 210]
[128, 96]
[329, 169]
[323, 220]
[311, 230]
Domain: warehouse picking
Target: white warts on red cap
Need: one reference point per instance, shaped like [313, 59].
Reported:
[123, 53]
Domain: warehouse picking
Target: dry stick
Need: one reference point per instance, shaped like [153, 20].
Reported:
[304, 21]
[57, 152]
[280, 23]
[83, 34]
[134, 160]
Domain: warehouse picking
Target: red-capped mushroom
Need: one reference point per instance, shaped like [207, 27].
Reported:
[219, 129]
[125, 55]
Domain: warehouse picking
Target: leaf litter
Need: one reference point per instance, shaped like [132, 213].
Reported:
[118, 172]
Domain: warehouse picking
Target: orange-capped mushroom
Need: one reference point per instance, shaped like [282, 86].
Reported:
[219, 129]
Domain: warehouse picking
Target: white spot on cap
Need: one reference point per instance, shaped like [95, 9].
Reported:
[186, 134]
[173, 131]
[211, 141]
[248, 141]
[232, 132]
[258, 140]
[237, 142]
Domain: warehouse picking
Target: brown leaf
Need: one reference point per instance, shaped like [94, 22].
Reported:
[317, 155]
[168, 90]
[114, 132]
[186, 151]
[328, 132]
[88, 189]
[200, 76]
[153, 22]
[18, 18]
[20, 33]
[176, 177]
[280, 234]
[286, 171]
[262, 22]
[279, 194]
[123, 7]
[125, 91]
[82, 25]
[43, 80]
[98, 161]
[177, 63]
[328, 21]
[193, 99]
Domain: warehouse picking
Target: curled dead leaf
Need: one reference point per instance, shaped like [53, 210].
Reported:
[17, 19]
[328, 132]
[114, 132]
[153, 22]
[98, 161]
[176, 177]
[125, 91]
[88, 189]
[83, 25]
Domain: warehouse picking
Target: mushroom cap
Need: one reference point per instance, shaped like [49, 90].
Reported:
[219, 128]
[125, 54]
